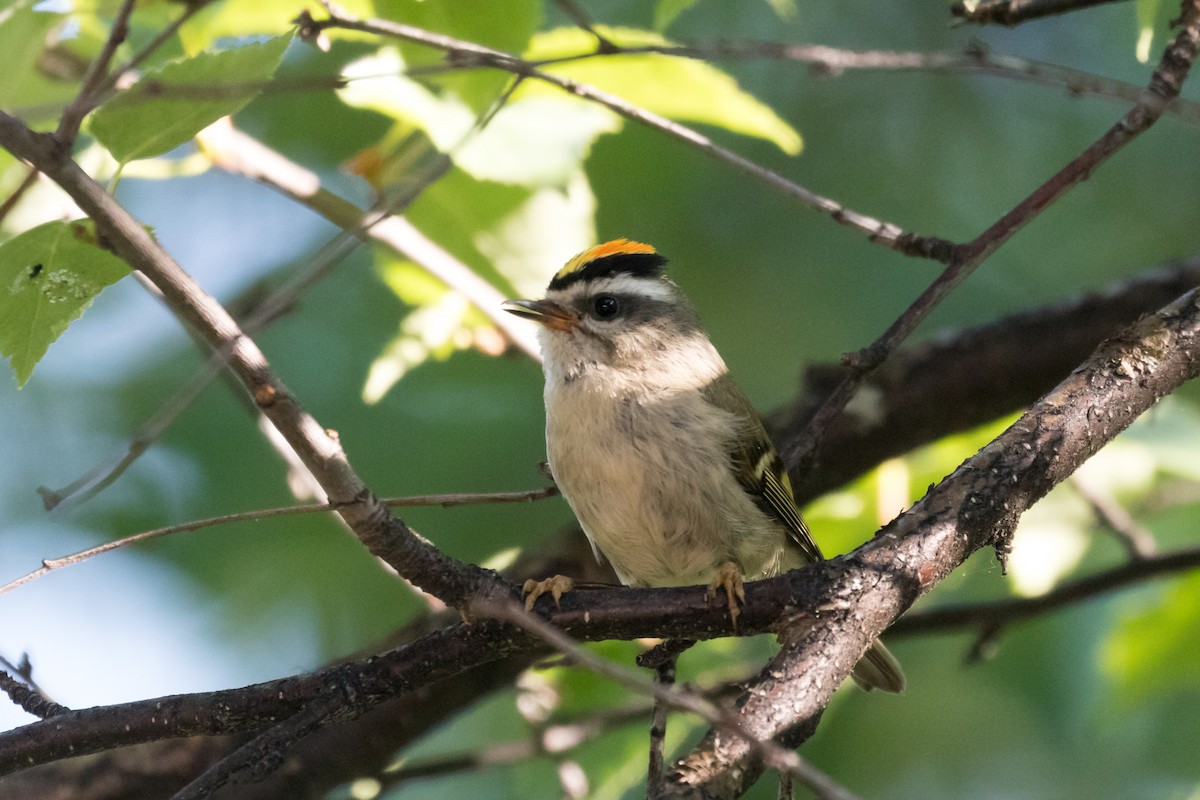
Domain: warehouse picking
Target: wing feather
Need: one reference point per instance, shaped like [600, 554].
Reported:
[759, 469]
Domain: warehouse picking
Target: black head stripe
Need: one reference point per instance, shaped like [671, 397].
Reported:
[648, 265]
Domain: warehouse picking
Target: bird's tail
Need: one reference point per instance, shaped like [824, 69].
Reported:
[879, 669]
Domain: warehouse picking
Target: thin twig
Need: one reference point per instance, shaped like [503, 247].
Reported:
[548, 739]
[1014, 12]
[471, 54]
[11, 201]
[1137, 540]
[85, 100]
[29, 697]
[357, 225]
[581, 18]
[1164, 86]
[1003, 612]
[191, 8]
[444, 500]
[681, 699]
[664, 676]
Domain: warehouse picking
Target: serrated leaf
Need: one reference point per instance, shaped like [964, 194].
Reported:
[48, 276]
[679, 88]
[198, 91]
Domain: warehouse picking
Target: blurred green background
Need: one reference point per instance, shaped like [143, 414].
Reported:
[1097, 700]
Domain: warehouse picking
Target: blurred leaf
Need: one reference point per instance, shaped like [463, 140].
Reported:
[505, 26]
[230, 19]
[679, 88]
[1170, 437]
[1148, 13]
[538, 141]
[1153, 649]
[784, 9]
[24, 35]
[48, 276]
[139, 123]
[665, 12]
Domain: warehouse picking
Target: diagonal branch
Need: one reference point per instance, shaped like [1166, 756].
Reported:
[384, 535]
[963, 259]
[858, 594]
[977, 505]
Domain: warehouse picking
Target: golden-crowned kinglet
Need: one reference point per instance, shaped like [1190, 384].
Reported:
[661, 457]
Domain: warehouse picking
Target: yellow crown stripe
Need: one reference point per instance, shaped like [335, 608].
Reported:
[617, 247]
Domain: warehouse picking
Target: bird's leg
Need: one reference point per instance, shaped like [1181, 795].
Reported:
[556, 586]
[729, 578]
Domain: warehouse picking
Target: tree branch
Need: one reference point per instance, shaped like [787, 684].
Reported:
[1014, 12]
[384, 535]
[977, 505]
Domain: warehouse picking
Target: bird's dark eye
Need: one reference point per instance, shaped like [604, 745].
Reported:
[606, 306]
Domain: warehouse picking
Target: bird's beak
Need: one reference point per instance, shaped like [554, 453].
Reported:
[544, 312]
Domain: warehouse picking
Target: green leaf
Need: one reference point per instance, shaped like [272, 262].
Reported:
[505, 26]
[679, 88]
[1148, 13]
[23, 37]
[200, 90]
[261, 18]
[665, 12]
[1153, 649]
[535, 141]
[48, 276]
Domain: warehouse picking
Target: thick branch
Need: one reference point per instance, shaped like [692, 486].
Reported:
[959, 381]
[384, 535]
[859, 594]
[977, 505]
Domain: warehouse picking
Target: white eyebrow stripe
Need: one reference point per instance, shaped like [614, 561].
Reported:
[650, 288]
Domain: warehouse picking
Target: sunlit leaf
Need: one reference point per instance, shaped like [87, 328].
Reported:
[679, 88]
[170, 106]
[1148, 12]
[261, 18]
[536, 141]
[48, 276]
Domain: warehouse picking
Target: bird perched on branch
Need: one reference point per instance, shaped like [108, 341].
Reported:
[662, 458]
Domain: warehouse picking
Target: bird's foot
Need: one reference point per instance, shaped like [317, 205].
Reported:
[729, 578]
[556, 586]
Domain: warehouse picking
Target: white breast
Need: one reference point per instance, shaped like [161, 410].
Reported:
[647, 471]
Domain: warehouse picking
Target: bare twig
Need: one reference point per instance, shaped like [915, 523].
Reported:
[664, 694]
[581, 18]
[978, 505]
[85, 100]
[1164, 86]
[1017, 609]
[465, 53]
[1135, 538]
[1014, 12]
[664, 676]
[25, 693]
[237, 152]
[444, 500]
[11, 201]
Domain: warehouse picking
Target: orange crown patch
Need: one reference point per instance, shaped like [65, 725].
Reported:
[617, 247]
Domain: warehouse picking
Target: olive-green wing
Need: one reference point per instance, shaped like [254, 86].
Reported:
[759, 469]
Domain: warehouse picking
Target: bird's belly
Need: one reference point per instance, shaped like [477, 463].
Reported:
[653, 489]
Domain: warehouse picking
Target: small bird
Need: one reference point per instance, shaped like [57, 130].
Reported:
[665, 463]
